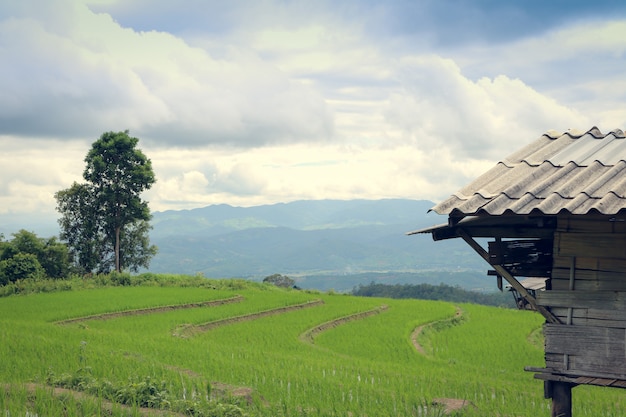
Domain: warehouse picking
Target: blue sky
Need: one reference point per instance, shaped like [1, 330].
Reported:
[257, 102]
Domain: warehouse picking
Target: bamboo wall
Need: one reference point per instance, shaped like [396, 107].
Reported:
[588, 295]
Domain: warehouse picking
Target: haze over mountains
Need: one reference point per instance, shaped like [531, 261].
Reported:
[322, 238]
[321, 243]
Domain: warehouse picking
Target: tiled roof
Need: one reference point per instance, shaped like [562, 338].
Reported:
[573, 172]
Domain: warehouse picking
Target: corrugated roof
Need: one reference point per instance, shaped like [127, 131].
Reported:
[572, 172]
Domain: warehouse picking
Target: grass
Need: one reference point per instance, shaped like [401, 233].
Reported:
[360, 364]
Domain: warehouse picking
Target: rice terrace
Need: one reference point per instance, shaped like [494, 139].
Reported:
[169, 345]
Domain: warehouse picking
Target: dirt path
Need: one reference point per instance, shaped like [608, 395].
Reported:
[418, 330]
[187, 330]
[152, 310]
[309, 335]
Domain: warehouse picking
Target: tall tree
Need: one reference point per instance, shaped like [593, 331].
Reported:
[107, 213]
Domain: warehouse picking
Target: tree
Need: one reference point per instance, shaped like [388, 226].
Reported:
[137, 249]
[279, 280]
[79, 226]
[29, 256]
[105, 221]
[20, 266]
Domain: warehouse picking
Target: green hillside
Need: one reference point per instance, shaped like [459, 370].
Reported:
[234, 348]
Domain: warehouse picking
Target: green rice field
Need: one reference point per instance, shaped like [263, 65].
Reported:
[237, 348]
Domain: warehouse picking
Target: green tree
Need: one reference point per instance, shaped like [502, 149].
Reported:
[50, 254]
[20, 266]
[279, 280]
[105, 221]
[79, 227]
[137, 249]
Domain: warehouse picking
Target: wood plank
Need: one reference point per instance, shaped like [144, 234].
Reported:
[580, 366]
[579, 378]
[600, 300]
[592, 317]
[594, 264]
[601, 245]
[589, 274]
[595, 344]
[588, 285]
[591, 224]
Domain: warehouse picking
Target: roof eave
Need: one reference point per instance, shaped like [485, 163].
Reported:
[505, 226]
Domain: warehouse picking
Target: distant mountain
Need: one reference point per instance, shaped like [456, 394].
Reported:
[43, 225]
[323, 244]
[305, 238]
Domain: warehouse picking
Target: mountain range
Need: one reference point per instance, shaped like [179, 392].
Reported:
[322, 238]
[322, 244]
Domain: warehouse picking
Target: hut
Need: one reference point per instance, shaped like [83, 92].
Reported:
[556, 209]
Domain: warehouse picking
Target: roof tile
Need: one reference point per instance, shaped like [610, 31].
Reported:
[575, 172]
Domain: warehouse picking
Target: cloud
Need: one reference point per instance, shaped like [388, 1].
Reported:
[439, 108]
[250, 103]
[32, 171]
[94, 75]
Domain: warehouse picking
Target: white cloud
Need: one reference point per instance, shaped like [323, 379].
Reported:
[579, 65]
[285, 101]
[32, 171]
[439, 108]
[95, 75]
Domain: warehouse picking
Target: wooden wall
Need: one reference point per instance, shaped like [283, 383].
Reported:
[587, 293]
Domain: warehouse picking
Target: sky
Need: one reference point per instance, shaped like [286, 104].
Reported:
[250, 102]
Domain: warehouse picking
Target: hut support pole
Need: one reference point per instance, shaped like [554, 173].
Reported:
[561, 393]
[510, 278]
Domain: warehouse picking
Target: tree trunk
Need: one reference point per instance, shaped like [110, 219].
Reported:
[117, 249]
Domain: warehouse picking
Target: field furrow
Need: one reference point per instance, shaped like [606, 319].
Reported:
[309, 335]
[187, 330]
[418, 332]
[152, 310]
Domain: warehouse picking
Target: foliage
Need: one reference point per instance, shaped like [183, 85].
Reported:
[20, 266]
[441, 292]
[79, 227]
[105, 221]
[279, 280]
[144, 392]
[27, 256]
[137, 251]
[122, 279]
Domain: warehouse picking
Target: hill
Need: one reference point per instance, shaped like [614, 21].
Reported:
[194, 346]
[441, 292]
[306, 239]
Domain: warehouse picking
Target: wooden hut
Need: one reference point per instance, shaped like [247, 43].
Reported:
[556, 209]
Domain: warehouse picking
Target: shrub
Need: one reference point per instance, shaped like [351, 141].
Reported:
[20, 266]
[51, 256]
[279, 280]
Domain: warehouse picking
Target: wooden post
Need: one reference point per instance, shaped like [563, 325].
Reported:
[561, 393]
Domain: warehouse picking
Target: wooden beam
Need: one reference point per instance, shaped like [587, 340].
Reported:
[561, 399]
[509, 277]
